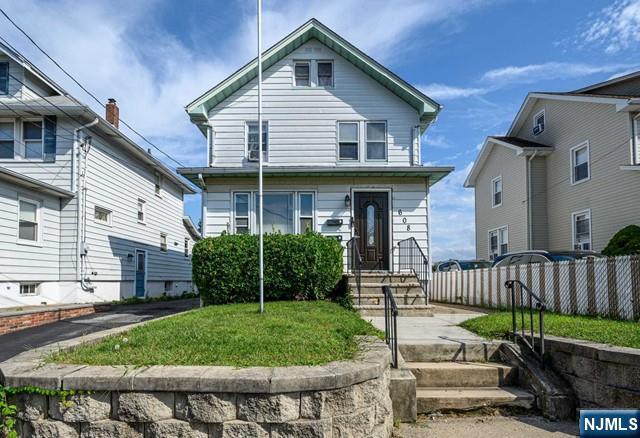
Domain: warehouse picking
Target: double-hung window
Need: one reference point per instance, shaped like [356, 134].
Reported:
[4, 78]
[376, 140]
[302, 73]
[581, 230]
[325, 73]
[158, 184]
[496, 191]
[32, 138]
[241, 213]
[7, 140]
[252, 141]
[186, 247]
[498, 242]
[28, 221]
[580, 163]
[141, 210]
[348, 141]
[538, 123]
[305, 207]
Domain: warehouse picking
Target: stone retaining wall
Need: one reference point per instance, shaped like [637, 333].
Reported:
[20, 320]
[339, 399]
[602, 377]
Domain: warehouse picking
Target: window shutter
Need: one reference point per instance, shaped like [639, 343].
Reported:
[50, 138]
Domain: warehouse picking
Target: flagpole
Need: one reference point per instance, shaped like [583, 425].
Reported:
[261, 224]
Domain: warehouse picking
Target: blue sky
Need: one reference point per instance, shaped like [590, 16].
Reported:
[478, 58]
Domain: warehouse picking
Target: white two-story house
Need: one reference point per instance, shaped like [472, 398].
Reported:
[566, 176]
[85, 214]
[341, 148]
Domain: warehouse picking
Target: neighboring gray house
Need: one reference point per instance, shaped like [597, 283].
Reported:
[341, 146]
[566, 175]
[85, 214]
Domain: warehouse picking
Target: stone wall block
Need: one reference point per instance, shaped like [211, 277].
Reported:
[303, 429]
[616, 398]
[81, 408]
[111, 429]
[31, 407]
[240, 429]
[368, 393]
[384, 409]
[176, 429]
[277, 408]
[359, 424]
[50, 429]
[206, 407]
[323, 404]
[135, 407]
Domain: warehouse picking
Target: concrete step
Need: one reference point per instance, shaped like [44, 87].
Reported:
[383, 277]
[464, 399]
[408, 287]
[378, 299]
[403, 309]
[462, 374]
[452, 351]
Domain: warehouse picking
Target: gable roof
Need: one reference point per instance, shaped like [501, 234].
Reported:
[426, 107]
[67, 104]
[520, 146]
[624, 78]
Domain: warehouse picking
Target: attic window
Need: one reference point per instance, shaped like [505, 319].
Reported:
[325, 74]
[4, 78]
[538, 123]
[301, 71]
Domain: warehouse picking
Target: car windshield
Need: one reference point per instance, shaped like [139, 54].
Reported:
[568, 256]
[474, 265]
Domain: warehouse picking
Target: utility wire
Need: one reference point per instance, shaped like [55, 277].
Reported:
[70, 76]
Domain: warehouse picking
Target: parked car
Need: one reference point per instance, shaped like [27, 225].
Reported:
[461, 265]
[526, 257]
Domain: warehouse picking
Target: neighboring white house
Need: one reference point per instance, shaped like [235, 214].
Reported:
[567, 174]
[341, 148]
[85, 214]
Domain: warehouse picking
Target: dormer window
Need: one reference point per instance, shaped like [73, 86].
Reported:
[325, 74]
[4, 78]
[301, 72]
[538, 123]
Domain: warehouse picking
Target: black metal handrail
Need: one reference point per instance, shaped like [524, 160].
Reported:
[354, 262]
[391, 323]
[411, 257]
[531, 307]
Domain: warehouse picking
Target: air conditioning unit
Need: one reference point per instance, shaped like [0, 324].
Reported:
[254, 154]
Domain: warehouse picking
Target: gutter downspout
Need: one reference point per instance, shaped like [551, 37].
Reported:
[529, 200]
[80, 201]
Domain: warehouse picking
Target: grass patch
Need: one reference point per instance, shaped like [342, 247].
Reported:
[288, 333]
[606, 331]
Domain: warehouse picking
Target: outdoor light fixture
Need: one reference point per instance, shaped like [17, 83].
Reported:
[347, 201]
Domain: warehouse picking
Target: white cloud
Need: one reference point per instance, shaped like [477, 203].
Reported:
[616, 28]
[547, 71]
[448, 92]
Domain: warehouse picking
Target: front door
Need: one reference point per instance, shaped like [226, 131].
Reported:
[141, 273]
[371, 222]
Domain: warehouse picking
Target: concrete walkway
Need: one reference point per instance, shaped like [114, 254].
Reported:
[440, 328]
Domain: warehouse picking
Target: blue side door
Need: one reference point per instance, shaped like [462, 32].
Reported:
[141, 273]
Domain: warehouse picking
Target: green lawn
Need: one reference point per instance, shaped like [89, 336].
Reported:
[605, 331]
[288, 333]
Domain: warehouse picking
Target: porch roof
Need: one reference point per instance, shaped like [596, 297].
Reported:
[33, 184]
[435, 174]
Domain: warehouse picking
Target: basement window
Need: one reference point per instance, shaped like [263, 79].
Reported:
[29, 289]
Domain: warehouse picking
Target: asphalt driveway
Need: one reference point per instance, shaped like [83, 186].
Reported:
[15, 343]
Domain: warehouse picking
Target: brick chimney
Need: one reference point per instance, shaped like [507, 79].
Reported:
[112, 112]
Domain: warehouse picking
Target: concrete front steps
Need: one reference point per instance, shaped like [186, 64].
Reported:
[448, 379]
[405, 287]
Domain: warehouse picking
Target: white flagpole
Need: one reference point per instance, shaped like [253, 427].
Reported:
[261, 224]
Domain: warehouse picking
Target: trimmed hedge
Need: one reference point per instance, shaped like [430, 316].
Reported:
[296, 266]
[624, 242]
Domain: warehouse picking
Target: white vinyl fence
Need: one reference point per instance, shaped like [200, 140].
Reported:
[608, 287]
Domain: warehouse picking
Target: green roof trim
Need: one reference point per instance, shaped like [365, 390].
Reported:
[426, 107]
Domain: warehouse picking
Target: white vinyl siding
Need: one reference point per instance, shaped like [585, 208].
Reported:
[303, 121]
[409, 204]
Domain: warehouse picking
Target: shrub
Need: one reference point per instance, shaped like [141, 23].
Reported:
[624, 242]
[296, 266]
